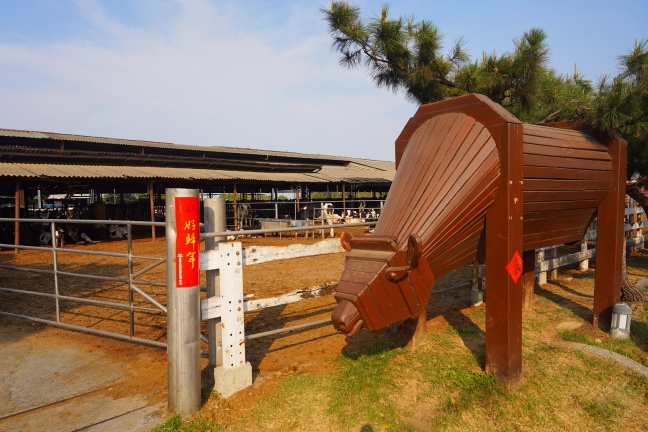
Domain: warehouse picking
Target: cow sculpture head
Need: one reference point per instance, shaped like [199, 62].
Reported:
[381, 285]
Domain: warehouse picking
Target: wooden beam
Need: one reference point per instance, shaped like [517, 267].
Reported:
[504, 265]
[151, 207]
[17, 215]
[610, 240]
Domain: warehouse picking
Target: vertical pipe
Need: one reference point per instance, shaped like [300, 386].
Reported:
[343, 199]
[17, 215]
[214, 222]
[55, 271]
[131, 310]
[183, 300]
[151, 208]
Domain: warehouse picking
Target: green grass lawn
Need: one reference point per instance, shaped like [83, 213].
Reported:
[442, 386]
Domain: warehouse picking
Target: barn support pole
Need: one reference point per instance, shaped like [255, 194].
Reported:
[151, 207]
[343, 199]
[183, 300]
[214, 222]
[297, 207]
[235, 201]
[504, 266]
[17, 216]
[610, 240]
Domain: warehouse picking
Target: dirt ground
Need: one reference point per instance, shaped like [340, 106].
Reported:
[271, 357]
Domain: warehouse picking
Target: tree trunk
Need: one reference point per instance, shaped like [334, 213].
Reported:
[638, 192]
[629, 292]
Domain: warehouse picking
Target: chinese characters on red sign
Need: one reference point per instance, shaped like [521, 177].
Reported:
[514, 268]
[187, 241]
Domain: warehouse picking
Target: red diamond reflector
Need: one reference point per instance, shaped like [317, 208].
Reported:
[514, 267]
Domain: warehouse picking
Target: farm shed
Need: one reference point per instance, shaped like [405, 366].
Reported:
[34, 165]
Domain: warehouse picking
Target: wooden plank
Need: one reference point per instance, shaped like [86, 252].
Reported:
[570, 163]
[538, 226]
[260, 254]
[558, 205]
[534, 172]
[584, 195]
[565, 152]
[565, 184]
[554, 237]
[531, 217]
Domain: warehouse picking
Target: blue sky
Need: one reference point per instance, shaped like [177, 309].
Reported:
[256, 74]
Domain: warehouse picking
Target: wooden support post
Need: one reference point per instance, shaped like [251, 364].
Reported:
[610, 239]
[17, 216]
[235, 202]
[528, 277]
[151, 207]
[504, 265]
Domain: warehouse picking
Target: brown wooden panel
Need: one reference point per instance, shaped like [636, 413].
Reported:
[560, 214]
[588, 195]
[558, 162]
[396, 299]
[372, 311]
[567, 152]
[553, 241]
[532, 172]
[550, 224]
[565, 185]
[558, 205]
[549, 136]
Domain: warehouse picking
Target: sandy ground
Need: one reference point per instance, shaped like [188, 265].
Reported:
[135, 375]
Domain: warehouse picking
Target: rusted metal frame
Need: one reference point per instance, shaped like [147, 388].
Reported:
[503, 244]
[610, 239]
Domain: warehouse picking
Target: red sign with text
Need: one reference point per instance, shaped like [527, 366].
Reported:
[514, 267]
[187, 241]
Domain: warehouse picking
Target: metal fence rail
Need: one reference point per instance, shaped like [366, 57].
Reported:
[131, 280]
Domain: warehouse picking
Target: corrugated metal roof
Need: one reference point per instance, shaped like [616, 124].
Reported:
[164, 145]
[328, 174]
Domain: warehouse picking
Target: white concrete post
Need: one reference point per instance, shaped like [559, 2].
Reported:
[232, 373]
[554, 273]
[584, 264]
[183, 299]
[542, 276]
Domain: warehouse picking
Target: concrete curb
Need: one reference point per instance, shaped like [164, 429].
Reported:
[608, 355]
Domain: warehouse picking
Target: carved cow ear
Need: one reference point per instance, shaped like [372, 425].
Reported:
[345, 241]
[414, 250]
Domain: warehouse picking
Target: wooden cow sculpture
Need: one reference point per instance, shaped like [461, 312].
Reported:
[475, 183]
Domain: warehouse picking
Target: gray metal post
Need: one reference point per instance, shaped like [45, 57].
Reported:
[214, 222]
[183, 297]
